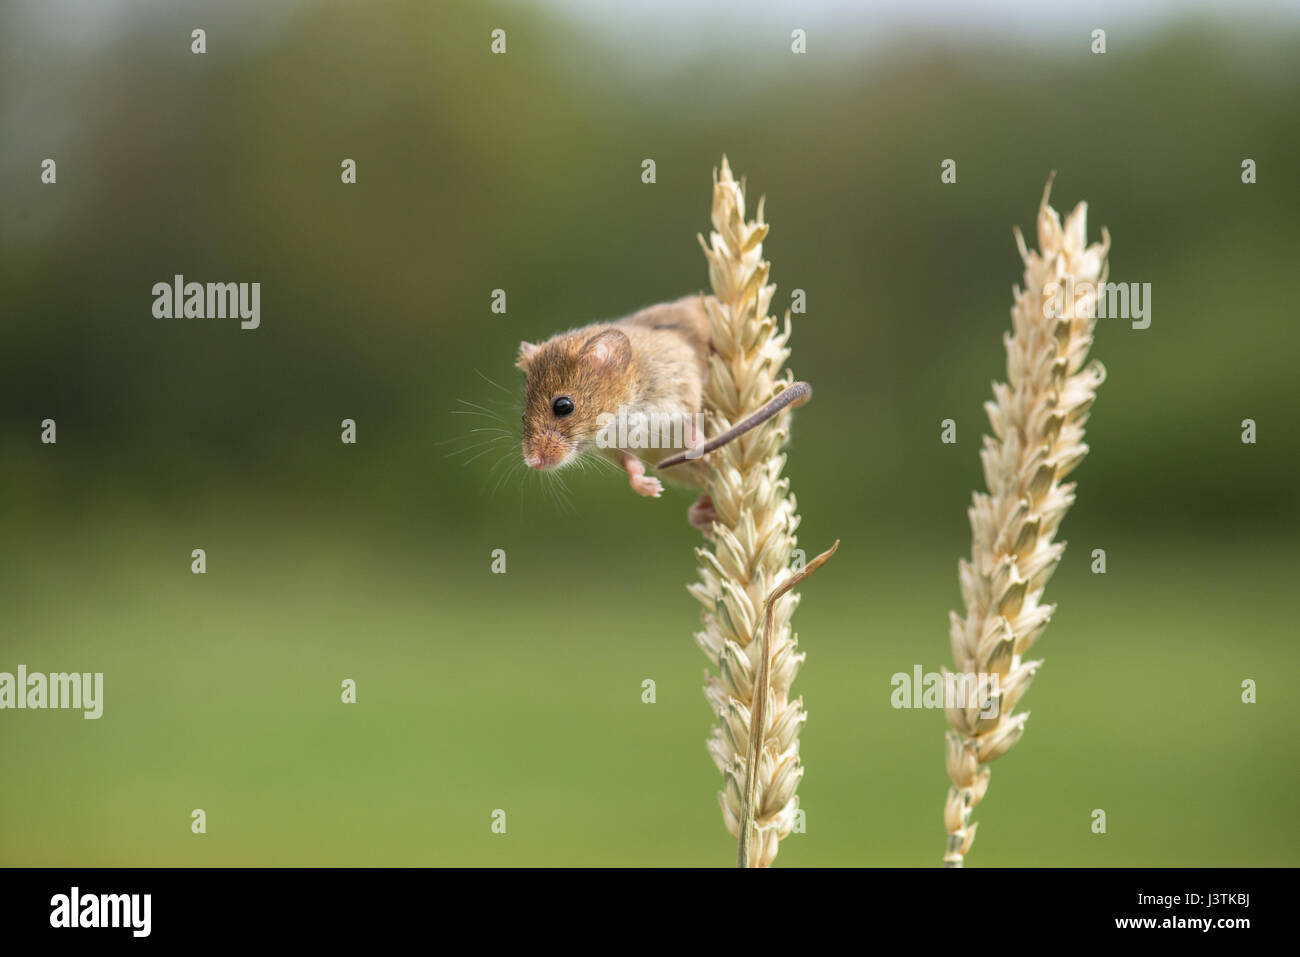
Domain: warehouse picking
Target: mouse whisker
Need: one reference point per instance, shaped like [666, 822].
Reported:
[484, 415]
[488, 447]
[597, 461]
[488, 444]
[480, 428]
[504, 433]
[498, 385]
[510, 457]
[558, 492]
[483, 408]
[515, 469]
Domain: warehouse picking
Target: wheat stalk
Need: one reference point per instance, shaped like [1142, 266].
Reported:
[758, 716]
[1037, 420]
[742, 575]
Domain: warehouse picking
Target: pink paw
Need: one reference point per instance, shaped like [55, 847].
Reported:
[641, 483]
[646, 485]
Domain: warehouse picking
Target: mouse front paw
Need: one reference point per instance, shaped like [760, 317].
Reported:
[641, 483]
[646, 485]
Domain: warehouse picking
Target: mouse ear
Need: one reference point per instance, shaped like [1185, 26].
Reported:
[609, 351]
[526, 351]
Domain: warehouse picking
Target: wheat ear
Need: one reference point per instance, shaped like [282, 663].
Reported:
[1037, 419]
[753, 539]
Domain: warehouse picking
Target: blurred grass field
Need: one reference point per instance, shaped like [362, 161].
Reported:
[222, 693]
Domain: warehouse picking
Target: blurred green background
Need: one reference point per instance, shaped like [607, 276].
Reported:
[523, 692]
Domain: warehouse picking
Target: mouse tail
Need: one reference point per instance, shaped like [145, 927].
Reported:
[793, 395]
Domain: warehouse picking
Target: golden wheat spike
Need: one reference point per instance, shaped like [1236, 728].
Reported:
[1037, 419]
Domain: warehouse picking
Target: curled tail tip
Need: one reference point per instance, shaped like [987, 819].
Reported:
[796, 393]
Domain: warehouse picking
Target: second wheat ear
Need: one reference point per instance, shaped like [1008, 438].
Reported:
[1037, 419]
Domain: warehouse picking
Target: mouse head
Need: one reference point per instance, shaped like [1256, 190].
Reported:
[572, 380]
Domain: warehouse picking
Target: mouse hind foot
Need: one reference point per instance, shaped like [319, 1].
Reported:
[702, 516]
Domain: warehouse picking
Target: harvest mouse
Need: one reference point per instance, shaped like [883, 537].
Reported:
[630, 388]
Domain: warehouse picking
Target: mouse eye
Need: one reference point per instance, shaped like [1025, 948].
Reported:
[562, 406]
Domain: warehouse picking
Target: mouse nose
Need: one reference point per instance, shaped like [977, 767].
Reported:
[535, 455]
[545, 451]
